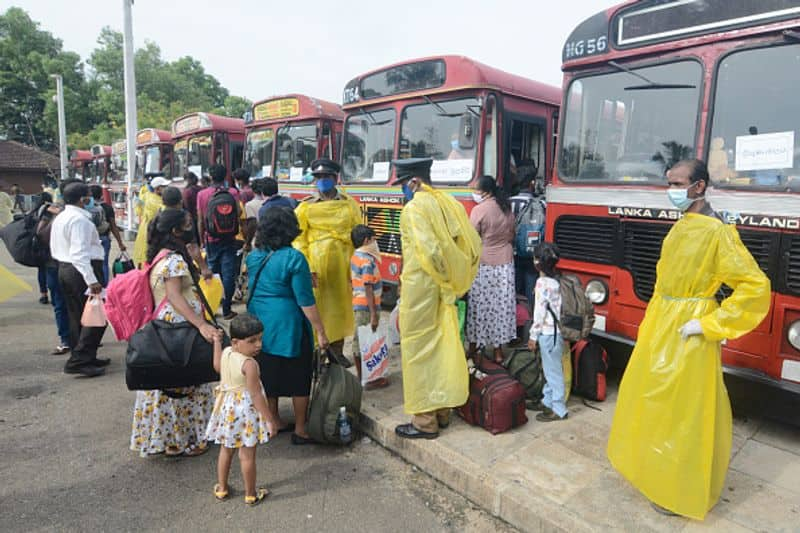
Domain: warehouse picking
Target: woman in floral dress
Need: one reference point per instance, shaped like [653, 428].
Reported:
[173, 421]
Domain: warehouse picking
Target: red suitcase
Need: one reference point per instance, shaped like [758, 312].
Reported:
[496, 401]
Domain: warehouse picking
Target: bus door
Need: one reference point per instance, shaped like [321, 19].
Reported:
[327, 146]
[526, 143]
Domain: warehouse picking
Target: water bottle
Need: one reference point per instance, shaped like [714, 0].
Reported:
[345, 434]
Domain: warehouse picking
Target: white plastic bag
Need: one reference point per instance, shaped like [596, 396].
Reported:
[374, 353]
[94, 316]
[393, 336]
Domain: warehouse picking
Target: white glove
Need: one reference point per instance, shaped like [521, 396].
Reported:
[693, 327]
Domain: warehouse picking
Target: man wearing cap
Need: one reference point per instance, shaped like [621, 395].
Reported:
[147, 207]
[441, 252]
[326, 219]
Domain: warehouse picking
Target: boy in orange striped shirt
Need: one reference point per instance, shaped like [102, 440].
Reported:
[367, 287]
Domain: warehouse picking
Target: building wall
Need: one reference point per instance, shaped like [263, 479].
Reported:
[29, 182]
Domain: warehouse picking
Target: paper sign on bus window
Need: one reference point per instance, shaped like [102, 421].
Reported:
[197, 170]
[767, 151]
[452, 170]
[296, 173]
[380, 170]
[266, 171]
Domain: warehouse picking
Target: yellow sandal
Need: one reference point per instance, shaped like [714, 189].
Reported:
[260, 496]
[219, 493]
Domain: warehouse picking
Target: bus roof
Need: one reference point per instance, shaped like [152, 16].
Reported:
[80, 155]
[149, 136]
[100, 150]
[459, 73]
[203, 122]
[293, 107]
[642, 27]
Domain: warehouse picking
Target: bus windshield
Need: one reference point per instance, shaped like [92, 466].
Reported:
[180, 159]
[291, 164]
[619, 128]
[431, 130]
[368, 146]
[754, 142]
[258, 157]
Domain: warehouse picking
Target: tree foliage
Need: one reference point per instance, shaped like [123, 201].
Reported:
[94, 97]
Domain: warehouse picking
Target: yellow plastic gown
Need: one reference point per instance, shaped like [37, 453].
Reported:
[6, 209]
[325, 242]
[672, 430]
[441, 252]
[147, 208]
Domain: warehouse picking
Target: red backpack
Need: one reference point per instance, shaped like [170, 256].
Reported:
[129, 301]
[589, 367]
[222, 215]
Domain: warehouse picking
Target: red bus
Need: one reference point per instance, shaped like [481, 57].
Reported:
[200, 140]
[80, 162]
[100, 167]
[649, 83]
[469, 117]
[286, 133]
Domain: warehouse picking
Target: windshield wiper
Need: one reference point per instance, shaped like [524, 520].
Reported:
[440, 109]
[649, 84]
[372, 119]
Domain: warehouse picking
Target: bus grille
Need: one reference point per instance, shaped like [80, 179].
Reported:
[585, 238]
[792, 265]
[641, 250]
[386, 223]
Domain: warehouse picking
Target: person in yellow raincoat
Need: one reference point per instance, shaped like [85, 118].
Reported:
[326, 220]
[6, 208]
[672, 430]
[441, 253]
[147, 207]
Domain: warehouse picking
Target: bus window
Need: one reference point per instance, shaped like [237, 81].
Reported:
[181, 159]
[755, 142]
[368, 146]
[237, 152]
[259, 152]
[490, 143]
[432, 130]
[200, 153]
[289, 164]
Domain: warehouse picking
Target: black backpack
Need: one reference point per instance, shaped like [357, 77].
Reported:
[590, 364]
[222, 215]
[23, 243]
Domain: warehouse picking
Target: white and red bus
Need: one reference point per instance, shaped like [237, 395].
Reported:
[80, 162]
[651, 82]
[200, 140]
[469, 117]
[100, 167]
[286, 133]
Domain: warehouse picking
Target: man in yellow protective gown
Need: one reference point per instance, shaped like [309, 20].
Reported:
[147, 207]
[326, 220]
[672, 430]
[441, 252]
[6, 208]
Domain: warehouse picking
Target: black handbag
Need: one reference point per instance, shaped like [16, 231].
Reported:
[163, 355]
[123, 263]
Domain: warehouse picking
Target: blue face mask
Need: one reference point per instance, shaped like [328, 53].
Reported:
[325, 184]
[680, 197]
[407, 192]
[89, 205]
[454, 144]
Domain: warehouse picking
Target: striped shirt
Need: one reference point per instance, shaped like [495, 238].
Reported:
[364, 271]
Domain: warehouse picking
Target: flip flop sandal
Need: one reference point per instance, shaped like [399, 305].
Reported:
[288, 428]
[173, 451]
[261, 495]
[220, 494]
[194, 451]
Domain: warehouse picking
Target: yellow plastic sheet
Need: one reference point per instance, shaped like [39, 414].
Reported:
[11, 285]
[146, 211]
[213, 291]
[672, 431]
[441, 252]
[325, 242]
[6, 209]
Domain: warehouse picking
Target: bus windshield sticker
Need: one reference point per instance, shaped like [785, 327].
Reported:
[380, 170]
[452, 170]
[197, 170]
[266, 171]
[767, 151]
[296, 173]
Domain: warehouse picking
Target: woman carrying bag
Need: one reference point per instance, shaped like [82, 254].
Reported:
[174, 421]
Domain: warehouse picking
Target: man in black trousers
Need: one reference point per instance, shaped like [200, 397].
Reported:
[75, 244]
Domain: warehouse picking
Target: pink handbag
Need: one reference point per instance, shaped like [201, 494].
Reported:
[93, 314]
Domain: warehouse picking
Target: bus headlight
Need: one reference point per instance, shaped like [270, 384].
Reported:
[597, 292]
[793, 335]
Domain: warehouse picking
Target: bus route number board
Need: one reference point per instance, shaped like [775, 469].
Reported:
[585, 47]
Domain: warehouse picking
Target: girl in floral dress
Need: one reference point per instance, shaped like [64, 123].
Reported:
[241, 418]
[173, 421]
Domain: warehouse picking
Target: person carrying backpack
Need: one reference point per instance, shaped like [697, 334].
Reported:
[219, 222]
[104, 219]
[545, 333]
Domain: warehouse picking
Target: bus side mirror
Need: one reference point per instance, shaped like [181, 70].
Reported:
[466, 132]
[299, 148]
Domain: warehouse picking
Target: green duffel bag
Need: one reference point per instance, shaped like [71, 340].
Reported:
[332, 387]
[526, 367]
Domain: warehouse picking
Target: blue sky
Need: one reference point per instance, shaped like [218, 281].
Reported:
[262, 48]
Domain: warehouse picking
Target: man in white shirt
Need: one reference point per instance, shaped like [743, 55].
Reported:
[251, 208]
[75, 244]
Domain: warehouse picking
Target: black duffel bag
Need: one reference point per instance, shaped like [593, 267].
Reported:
[163, 355]
[22, 242]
